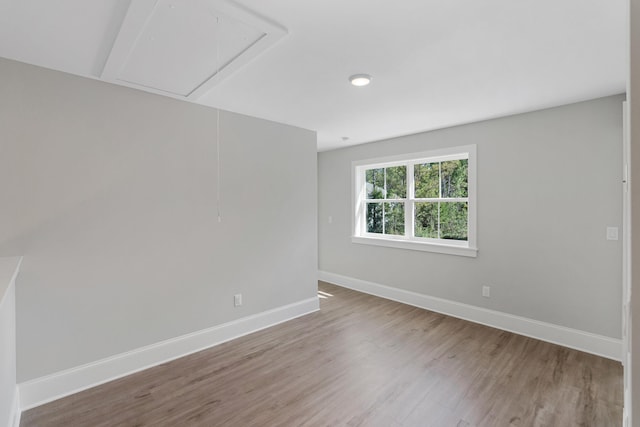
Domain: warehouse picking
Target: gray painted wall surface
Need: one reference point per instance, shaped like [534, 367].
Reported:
[110, 195]
[549, 183]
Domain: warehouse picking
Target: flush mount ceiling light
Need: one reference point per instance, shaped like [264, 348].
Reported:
[360, 79]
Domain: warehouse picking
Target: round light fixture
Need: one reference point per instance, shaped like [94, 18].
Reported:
[360, 79]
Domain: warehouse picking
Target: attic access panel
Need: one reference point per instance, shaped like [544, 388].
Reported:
[182, 48]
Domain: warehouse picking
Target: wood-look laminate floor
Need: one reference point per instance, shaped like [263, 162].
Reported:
[360, 361]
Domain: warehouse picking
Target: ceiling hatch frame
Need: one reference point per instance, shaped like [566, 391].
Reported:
[137, 19]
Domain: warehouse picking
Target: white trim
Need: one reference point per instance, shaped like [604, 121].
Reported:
[7, 304]
[567, 337]
[417, 246]
[16, 413]
[359, 233]
[60, 384]
[626, 268]
[439, 154]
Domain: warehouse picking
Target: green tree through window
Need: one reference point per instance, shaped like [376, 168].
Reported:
[384, 186]
[443, 211]
[439, 201]
[419, 201]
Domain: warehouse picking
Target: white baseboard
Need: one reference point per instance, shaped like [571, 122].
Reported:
[15, 410]
[600, 345]
[60, 384]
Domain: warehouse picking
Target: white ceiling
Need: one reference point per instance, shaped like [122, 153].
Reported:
[435, 63]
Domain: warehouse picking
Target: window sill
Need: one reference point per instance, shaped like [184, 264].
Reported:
[417, 246]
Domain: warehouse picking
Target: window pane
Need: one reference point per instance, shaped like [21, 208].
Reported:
[394, 218]
[455, 175]
[453, 221]
[427, 179]
[374, 217]
[426, 221]
[397, 182]
[375, 184]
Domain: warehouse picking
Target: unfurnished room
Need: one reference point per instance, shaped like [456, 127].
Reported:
[319, 213]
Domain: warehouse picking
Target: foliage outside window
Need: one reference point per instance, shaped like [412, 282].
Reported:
[426, 199]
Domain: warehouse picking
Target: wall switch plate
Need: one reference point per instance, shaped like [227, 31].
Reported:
[237, 300]
[330, 219]
[486, 291]
[612, 233]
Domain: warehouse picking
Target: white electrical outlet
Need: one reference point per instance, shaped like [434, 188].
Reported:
[486, 291]
[237, 300]
[612, 233]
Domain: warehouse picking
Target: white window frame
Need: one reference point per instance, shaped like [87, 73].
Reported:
[408, 241]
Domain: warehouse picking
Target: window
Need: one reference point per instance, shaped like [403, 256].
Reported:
[423, 201]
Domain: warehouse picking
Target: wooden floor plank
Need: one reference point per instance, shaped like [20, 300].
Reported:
[360, 361]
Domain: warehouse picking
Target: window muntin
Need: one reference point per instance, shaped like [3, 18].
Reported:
[426, 199]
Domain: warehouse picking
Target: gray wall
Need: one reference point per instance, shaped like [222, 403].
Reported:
[110, 194]
[549, 183]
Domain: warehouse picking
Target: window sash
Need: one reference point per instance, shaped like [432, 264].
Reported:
[409, 240]
[409, 222]
[410, 202]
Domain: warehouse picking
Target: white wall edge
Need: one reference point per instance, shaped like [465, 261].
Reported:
[15, 409]
[14, 276]
[600, 345]
[51, 387]
[15, 273]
